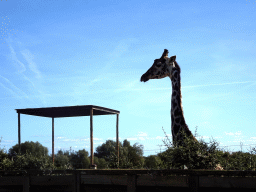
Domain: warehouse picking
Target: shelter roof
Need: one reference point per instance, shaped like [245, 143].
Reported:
[68, 111]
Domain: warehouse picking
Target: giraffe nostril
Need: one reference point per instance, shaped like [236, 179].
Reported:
[143, 78]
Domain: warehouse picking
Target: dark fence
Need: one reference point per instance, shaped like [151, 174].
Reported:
[126, 180]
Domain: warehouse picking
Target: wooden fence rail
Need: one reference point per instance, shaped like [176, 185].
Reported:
[128, 180]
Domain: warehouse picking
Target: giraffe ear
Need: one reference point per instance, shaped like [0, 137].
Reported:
[173, 58]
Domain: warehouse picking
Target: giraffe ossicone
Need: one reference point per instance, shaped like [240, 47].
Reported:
[168, 67]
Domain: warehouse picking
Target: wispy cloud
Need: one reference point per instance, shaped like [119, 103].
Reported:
[96, 80]
[32, 65]
[122, 47]
[142, 134]
[131, 86]
[218, 84]
[233, 134]
[203, 137]
[40, 135]
[15, 91]
[97, 139]
[8, 89]
[159, 137]
[132, 139]
[59, 138]
[78, 140]
[19, 65]
[7, 143]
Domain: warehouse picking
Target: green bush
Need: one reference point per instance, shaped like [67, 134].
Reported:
[193, 154]
[238, 160]
[29, 161]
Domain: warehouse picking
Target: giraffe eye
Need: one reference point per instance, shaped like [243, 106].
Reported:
[158, 64]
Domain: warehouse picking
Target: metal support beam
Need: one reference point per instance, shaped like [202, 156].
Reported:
[53, 140]
[91, 134]
[117, 138]
[19, 132]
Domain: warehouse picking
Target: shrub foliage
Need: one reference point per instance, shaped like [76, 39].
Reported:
[192, 154]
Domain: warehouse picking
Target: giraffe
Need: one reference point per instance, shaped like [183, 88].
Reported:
[161, 68]
[164, 67]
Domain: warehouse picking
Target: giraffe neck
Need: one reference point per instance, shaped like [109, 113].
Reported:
[177, 117]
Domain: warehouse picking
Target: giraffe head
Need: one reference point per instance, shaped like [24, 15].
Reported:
[161, 68]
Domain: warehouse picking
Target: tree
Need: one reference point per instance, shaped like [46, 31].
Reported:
[61, 160]
[153, 162]
[2, 153]
[133, 154]
[106, 150]
[5, 162]
[129, 156]
[35, 148]
[239, 161]
[29, 161]
[100, 162]
[80, 159]
[33, 156]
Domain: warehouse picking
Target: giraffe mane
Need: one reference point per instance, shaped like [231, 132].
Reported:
[176, 75]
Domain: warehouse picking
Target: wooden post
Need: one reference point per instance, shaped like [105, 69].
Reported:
[53, 140]
[77, 179]
[19, 132]
[117, 138]
[91, 134]
[26, 184]
[131, 183]
[193, 183]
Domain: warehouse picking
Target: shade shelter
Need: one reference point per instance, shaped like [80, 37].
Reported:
[72, 111]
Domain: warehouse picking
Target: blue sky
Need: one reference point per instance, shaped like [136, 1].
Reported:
[64, 53]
